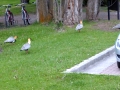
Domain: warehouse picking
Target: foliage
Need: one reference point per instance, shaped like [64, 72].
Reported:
[85, 2]
[103, 2]
[51, 53]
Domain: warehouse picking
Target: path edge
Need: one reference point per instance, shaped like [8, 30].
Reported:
[86, 63]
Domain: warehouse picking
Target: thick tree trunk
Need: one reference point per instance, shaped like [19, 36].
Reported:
[92, 9]
[73, 11]
[44, 10]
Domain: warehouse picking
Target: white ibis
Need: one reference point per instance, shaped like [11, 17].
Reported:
[79, 26]
[26, 46]
[11, 39]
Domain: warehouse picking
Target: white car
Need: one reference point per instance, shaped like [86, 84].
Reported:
[117, 50]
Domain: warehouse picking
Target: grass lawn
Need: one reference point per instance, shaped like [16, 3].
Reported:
[51, 53]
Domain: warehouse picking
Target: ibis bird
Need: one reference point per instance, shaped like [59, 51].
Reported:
[116, 26]
[11, 39]
[79, 26]
[26, 46]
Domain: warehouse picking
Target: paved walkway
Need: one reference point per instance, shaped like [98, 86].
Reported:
[102, 15]
[107, 66]
[18, 20]
[102, 63]
[111, 70]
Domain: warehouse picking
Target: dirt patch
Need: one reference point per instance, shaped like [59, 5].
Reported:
[103, 23]
[106, 25]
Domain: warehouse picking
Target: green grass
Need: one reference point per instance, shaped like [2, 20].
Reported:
[51, 53]
[104, 9]
[14, 2]
[3, 2]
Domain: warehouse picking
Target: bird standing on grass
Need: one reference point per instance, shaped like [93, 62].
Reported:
[79, 26]
[26, 46]
[11, 39]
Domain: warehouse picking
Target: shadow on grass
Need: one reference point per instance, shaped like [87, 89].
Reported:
[2, 25]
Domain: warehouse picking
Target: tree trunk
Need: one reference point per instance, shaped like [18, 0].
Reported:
[92, 9]
[58, 10]
[25, 1]
[44, 10]
[73, 12]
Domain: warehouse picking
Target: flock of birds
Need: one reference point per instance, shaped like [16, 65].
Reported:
[25, 46]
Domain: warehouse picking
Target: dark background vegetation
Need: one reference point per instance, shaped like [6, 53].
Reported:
[103, 2]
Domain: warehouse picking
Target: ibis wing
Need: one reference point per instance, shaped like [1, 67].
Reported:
[25, 46]
[79, 26]
[10, 39]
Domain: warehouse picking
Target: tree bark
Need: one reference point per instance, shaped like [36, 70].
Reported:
[58, 10]
[44, 10]
[92, 9]
[73, 12]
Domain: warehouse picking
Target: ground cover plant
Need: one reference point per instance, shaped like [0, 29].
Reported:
[53, 51]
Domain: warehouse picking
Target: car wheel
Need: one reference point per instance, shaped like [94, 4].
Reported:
[118, 64]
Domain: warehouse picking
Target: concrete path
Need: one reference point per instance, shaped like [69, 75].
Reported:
[18, 20]
[101, 63]
[111, 70]
[106, 66]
